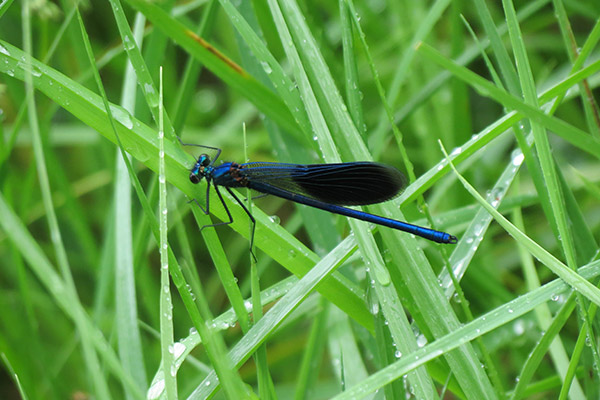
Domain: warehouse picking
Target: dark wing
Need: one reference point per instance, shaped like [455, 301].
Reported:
[345, 184]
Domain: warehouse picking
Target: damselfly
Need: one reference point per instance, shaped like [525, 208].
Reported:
[329, 187]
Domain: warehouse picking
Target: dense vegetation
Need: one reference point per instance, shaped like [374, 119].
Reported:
[109, 288]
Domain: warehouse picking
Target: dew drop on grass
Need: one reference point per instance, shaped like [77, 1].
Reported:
[4, 50]
[156, 389]
[266, 67]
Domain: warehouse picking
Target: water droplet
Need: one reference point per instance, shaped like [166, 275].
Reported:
[519, 327]
[151, 93]
[122, 116]
[375, 308]
[35, 71]
[128, 43]
[517, 159]
[456, 151]
[266, 67]
[156, 389]
[4, 50]
[478, 229]
[178, 349]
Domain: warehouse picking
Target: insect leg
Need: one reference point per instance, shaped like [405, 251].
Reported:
[206, 212]
[249, 215]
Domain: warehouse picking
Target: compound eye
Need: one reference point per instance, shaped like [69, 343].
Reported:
[195, 178]
[204, 160]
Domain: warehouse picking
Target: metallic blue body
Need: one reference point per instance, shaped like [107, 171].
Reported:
[426, 233]
[325, 186]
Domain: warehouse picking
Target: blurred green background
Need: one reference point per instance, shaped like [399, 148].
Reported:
[508, 88]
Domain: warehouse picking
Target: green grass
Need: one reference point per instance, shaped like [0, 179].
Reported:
[488, 107]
